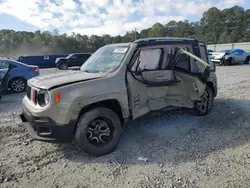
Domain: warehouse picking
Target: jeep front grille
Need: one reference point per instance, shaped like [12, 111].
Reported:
[28, 90]
[31, 94]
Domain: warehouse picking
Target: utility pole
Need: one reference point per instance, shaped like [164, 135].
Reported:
[135, 34]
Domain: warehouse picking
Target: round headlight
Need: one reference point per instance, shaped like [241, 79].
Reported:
[43, 98]
[46, 98]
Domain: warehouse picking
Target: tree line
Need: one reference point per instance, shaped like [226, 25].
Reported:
[215, 26]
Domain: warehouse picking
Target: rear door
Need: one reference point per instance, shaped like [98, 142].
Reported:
[191, 72]
[156, 81]
[82, 58]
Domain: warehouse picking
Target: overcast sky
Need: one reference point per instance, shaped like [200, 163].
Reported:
[102, 16]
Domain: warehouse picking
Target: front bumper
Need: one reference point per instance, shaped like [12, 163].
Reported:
[216, 60]
[45, 129]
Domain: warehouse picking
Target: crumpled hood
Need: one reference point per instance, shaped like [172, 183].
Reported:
[52, 80]
[217, 55]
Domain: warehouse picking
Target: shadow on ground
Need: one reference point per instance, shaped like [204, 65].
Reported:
[178, 136]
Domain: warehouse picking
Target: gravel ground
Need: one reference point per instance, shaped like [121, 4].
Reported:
[182, 150]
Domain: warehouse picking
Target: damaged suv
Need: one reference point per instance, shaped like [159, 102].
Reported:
[119, 82]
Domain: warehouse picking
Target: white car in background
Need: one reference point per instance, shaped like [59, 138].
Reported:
[230, 57]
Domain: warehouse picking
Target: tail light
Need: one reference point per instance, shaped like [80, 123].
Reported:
[213, 67]
[34, 69]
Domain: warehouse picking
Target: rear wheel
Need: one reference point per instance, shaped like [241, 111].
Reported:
[98, 131]
[204, 105]
[17, 85]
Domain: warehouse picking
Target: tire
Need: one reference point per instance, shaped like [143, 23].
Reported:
[90, 124]
[222, 62]
[63, 66]
[229, 61]
[204, 106]
[247, 60]
[17, 85]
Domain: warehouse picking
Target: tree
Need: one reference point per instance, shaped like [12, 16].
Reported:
[157, 30]
[215, 26]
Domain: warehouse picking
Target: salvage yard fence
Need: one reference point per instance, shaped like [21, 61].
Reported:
[218, 47]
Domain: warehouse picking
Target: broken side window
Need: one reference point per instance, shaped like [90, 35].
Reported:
[203, 52]
[148, 59]
[183, 63]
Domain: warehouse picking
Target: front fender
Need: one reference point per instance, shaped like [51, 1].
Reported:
[226, 57]
[80, 103]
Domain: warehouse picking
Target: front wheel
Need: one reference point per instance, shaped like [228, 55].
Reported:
[204, 105]
[222, 62]
[98, 131]
[63, 66]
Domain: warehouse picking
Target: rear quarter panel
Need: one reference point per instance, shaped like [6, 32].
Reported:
[21, 72]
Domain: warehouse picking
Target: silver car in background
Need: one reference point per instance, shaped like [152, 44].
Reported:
[230, 57]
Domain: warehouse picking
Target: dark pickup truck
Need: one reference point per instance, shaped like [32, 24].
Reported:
[72, 60]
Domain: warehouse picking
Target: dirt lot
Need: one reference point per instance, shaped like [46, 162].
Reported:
[182, 150]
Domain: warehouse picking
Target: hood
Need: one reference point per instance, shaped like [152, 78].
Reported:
[53, 80]
[217, 55]
[59, 58]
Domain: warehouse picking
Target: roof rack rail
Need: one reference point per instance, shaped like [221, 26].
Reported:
[163, 39]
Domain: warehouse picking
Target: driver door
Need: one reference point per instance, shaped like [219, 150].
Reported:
[154, 85]
[148, 82]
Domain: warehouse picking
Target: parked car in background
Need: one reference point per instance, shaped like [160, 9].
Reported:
[230, 57]
[45, 61]
[119, 82]
[72, 60]
[16, 74]
[1, 89]
[3, 73]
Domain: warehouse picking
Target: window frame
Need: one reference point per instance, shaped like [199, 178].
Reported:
[202, 45]
[1, 62]
[189, 64]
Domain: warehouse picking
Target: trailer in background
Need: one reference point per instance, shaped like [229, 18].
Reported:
[46, 61]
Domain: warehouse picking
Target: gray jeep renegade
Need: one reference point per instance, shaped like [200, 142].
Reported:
[117, 83]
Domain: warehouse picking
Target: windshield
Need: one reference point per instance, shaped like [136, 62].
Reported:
[105, 59]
